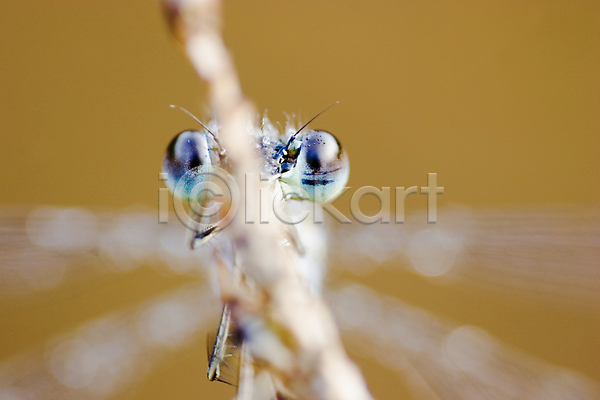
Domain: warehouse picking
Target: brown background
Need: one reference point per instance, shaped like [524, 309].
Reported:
[501, 99]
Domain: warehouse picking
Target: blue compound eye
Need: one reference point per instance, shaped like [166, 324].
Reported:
[322, 165]
[189, 156]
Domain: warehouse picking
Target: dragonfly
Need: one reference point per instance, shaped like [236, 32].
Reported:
[548, 256]
[306, 166]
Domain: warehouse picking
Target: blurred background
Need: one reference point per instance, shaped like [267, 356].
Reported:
[500, 99]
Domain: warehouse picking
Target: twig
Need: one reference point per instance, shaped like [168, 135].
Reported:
[287, 330]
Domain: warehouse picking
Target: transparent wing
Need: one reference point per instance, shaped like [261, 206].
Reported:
[43, 248]
[104, 356]
[443, 360]
[550, 255]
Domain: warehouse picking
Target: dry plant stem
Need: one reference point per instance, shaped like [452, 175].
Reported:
[310, 359]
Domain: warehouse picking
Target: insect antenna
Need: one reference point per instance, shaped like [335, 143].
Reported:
[200, 122]
[306, 124]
